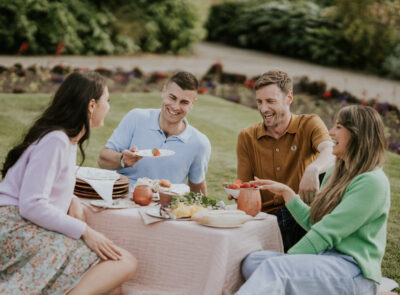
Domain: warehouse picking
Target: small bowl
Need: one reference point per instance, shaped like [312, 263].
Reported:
[233, 192]
[166, 197]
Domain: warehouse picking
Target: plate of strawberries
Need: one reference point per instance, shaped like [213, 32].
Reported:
[233, 188]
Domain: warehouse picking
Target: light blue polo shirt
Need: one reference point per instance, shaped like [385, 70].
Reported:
[140, 128]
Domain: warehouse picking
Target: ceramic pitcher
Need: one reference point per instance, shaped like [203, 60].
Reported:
[249, 201]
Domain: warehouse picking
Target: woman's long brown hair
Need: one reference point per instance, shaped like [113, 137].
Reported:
[68, 111]
[365, 151]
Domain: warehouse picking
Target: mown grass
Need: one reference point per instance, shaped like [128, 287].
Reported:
[220, 120]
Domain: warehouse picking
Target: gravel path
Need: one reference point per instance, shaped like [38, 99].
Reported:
[248, 62]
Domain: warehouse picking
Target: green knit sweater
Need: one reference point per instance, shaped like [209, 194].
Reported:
[356, 227]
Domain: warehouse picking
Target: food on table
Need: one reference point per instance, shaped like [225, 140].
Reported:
[155, 184]
[184, 210]
[145, 181]
[142, 195]
[165, 183]
[237, 184]
[222, 218]
[233, 188]
[188, 204]
[155, 152]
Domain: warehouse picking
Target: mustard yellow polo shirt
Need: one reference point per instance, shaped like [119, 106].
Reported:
[283, 159]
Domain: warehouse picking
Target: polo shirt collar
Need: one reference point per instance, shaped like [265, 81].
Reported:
[292, 128]
[155, 125]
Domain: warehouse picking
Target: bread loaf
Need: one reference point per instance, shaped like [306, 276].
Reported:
[222, 218]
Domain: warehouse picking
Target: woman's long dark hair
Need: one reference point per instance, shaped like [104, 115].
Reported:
[68, 112]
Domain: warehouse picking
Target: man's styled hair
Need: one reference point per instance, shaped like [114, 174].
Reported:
[277, 77]
[184, 80]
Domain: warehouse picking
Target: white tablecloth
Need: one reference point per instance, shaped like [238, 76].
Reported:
[183, 257]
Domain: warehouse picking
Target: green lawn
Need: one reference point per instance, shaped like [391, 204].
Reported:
[218, 119]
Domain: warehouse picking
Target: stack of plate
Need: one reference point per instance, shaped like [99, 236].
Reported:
[120, 189]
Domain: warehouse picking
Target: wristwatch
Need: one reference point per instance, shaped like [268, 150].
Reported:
[121, 160]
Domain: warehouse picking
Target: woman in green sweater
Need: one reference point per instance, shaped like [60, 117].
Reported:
[346, 223]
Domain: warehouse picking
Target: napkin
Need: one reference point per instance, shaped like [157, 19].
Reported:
[147, 219]
[101, 180]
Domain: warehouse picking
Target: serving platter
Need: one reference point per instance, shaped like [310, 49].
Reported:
[219, 226]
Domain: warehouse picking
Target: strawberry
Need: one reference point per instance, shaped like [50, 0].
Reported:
[155, 152]
[245, 185]
[254, 185]
[234, 186]
[238, 181]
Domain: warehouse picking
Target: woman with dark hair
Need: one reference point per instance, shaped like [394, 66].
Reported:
[346, 223]
[45, 245]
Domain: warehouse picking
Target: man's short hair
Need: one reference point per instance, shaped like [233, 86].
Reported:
[184, 80]
[277, 77]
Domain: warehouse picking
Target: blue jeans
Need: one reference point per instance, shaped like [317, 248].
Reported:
[327, 273]
[291, 231]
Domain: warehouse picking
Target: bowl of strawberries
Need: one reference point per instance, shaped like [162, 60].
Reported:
[233, 188]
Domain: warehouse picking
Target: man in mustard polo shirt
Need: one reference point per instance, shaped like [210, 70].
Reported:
[292, 149]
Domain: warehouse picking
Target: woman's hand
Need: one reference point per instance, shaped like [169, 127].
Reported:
[76, 210]
[103, 247]
[276, 188]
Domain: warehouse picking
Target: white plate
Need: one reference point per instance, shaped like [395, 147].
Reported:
[217, 226]
[96, 173]
[149, 154]
[115, 205]
[155, 212]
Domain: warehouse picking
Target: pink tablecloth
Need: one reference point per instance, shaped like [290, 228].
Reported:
[183, 257]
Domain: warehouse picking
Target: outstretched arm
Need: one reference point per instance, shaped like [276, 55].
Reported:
[110, 159]
[309, 184]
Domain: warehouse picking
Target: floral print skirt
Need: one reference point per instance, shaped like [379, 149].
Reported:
[34, 260]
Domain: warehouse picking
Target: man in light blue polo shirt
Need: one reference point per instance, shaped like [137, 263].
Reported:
[165, 128]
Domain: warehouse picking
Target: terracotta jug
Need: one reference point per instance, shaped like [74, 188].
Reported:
[142, 195]
[249, 201]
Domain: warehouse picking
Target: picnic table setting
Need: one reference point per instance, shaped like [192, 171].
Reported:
[185, 242]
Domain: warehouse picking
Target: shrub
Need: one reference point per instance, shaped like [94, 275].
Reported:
[391, 64]
[100, 27]
[161, 26]
[81, 26]
[358, 34]
[371, 27]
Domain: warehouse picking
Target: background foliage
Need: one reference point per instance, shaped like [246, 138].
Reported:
[100, 27]
[358, 34]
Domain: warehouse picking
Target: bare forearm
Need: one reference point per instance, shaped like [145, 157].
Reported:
[109, 159]
[198, 187]
[324, 160]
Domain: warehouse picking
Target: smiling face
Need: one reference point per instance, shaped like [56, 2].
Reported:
[176, 103]
[273, 105]
[341, 137]
[99, 109]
